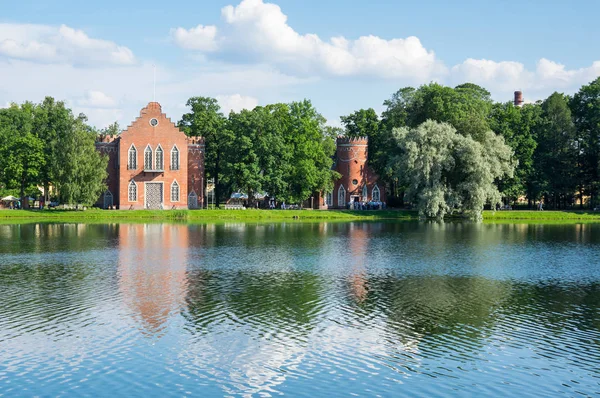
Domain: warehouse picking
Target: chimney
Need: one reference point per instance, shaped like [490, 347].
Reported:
[518, 98]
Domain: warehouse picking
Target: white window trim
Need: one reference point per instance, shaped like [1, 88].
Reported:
[136, 192]
[329, 199]
[378, 193]
[151, 157]
[163, 157]
[135, 158]
[178, 193]
[178, 158]
[365, 193]
[340, 189]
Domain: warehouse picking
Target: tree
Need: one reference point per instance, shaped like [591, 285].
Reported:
[52, 121]
[518, 126]
[206, 120]
[556, 154]
[21, 160]
[585, 108]
[312, 152]
[81, 177]
[447, 172]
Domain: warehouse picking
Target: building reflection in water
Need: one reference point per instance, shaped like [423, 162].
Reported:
[152, 272]
[358, 238]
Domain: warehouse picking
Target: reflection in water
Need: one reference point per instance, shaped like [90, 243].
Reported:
[152, 271]
[301, 309]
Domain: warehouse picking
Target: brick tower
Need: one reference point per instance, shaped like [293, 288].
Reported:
[358, 182]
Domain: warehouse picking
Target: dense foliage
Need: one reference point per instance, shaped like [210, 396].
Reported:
[445, 149]
[43, 145]
[555, 142]
[284, 150]
[445, 171]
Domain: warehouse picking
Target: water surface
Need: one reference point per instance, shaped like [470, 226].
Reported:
[324, 309]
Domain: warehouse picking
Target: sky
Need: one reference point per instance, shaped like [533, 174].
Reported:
[99, 57]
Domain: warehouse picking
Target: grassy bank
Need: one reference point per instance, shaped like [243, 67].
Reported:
[252, 215]
[201, 215]
[541, 216]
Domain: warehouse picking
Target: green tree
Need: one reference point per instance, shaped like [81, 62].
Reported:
[52, 121]
[21, 160]
[312, 152]
[585, 108]
[206, 120]
[447, 172]
[556, 154]
[81, 177]
[518, 126]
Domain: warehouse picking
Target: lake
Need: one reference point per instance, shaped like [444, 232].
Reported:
[315, 309]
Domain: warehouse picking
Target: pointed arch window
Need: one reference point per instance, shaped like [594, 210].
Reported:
[132, 158]
[175, 158]
[108, 199]
[376, 194]
[132, 191]
[192, 200]
[329, 199]
[365, 193]
[158, 158]
[175, 192]
[148, 158]
[341, 196]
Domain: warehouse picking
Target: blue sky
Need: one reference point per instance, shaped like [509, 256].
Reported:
[98, 56]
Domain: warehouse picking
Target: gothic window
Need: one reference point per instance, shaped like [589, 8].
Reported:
[192, 200]
[108, 199]
[364, 193]
[341, 197]
[376, 194]
[132, 158]
[174, 192]
[132, 191]
[148, 158]
[174, 158]
[158, 159]
[329, 199]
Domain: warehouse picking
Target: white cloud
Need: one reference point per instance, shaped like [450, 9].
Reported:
[124, 90]
[199, 38]
[48, 44]
[261, 31]
[236, 102]
[506, 76]
[97, 99]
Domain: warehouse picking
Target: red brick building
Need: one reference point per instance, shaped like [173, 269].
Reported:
[358, 182]
[153, 165]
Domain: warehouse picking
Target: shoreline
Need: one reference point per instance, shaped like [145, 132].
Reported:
[253, 215]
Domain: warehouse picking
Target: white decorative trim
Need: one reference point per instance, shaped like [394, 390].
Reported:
[136, 191]
[151, 157]
[178, 191]
[378, 194]
[136, 157]
[175, 148]
[162, 151]
[341, 189]
[146, 196]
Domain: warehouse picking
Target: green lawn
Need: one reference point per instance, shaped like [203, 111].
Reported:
[546, 215]
[96, 215]
[203, 215]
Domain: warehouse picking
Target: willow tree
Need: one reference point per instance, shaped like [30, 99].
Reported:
[447, 172]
